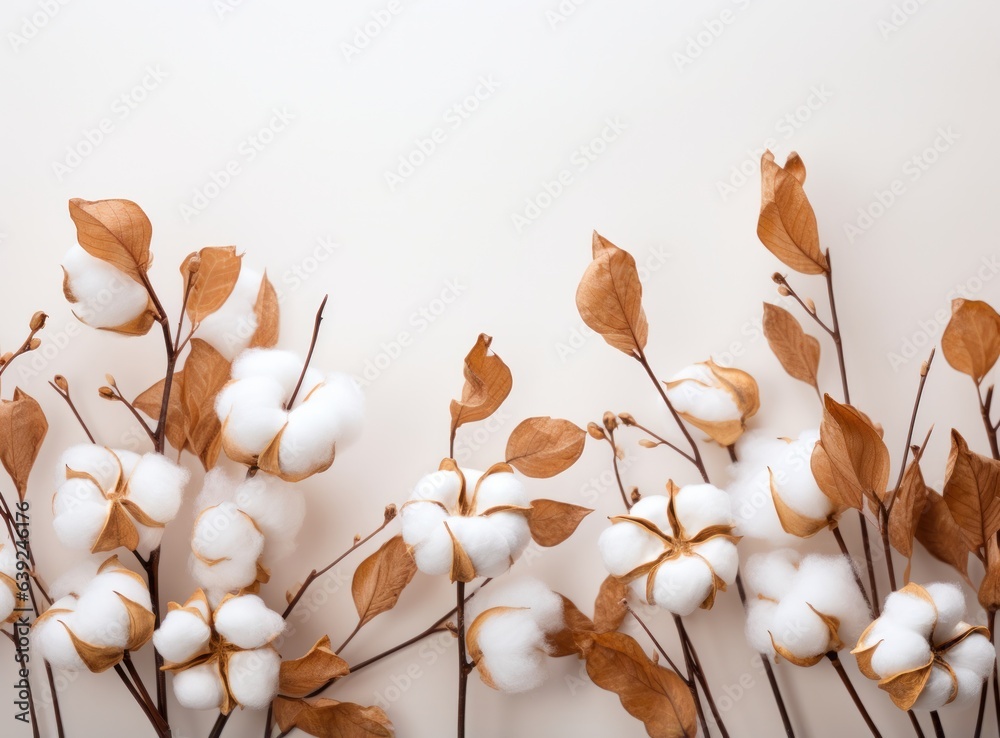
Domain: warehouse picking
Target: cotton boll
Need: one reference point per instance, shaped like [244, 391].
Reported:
[514, 528]
[433, 549]
[798, 629]
[229, 329]
[500, 489]
[484, 543]
[419, 519]
[343, 393]
[624, 546]
[307, 440]
[513, 652]
[754, 515]
[721, 555]
[682, 584]
[827, 583]
[278, 508]
[654, 509]
[149, 538]
[794, 480]
[101, 616]
[911, 612]
[902, 651]
[75, 579]
[543, 605]
[969, 683]
[974, 653]
[936, 692]
[760, 620]
[91, 279]
[51, 640]
[157, 485]
[441, 486]
[772, 574]
[699, 506]
[200, 687]
[217, 487]
[249, 428]
[225, 548]
[247, 622]
[253, 677]
[950, 604]
[78, 524]
[181, 636]
[701, 396]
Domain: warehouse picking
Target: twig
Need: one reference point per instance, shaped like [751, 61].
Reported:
[146, 710]
[312, 346]
[631, 422]
[835, 660]
[350, 637]
[916, 723]
[938, 727]
[64, 393]
[984, 409]
[116, 395]
[857, 578]
[691, 680]
[614, 463]
[60, 733]
[37, 323]
[700, 674]
[924, 369]
[464, 666]
[220, 724]
[656, 643]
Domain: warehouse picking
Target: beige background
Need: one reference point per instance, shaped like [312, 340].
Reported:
[859, 88]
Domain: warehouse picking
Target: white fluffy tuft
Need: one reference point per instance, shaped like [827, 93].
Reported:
[247, 622]
[253, 677]
[106, 297]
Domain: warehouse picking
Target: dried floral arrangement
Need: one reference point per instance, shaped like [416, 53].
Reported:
[258, 419]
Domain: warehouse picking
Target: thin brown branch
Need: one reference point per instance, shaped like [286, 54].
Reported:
[924, 370]
[835, 660]
[69, 401]
[659, 439]
[312, 347]
[28, 344]
[618, 476]
[118, 396]
[857, 578]
[656, 643]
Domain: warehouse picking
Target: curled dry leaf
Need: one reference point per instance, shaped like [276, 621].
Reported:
[796, 350]
[327, 718]
[300, 677]
[22, 429]
[115, 231]
[609, 298]
[213, 282]
[941, 535]
[971, 340]
[795, 167]
[487, 384]
[567, 641]
[381, 578]
[907, 509]
[544, 447]
[205, 373]
[551, 522]
[609, 607]
[787, 223]
[850, 460]
[267, 313]
[972, 491]
[650, 693]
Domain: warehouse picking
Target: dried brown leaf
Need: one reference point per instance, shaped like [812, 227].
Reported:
[115, 231]
[543, 447]
[972, 491]
[609, 607]
[907, 509]
[566, 642]
[327, 718]
[487, 384]
[971, 340]
[206, 371]
[850, 460]
[22, 430]
[609, 298]
[787, 223]
[317, 668]
[795, 167]
[267, 312]
[551, 522]
[941, 535]
[796, 350]
[653, 694]
[213, 282]
[150, 402]
[381, 578]
[989, 588]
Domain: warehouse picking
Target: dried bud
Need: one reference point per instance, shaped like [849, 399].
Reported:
[60, 381]
[783, 291]
[452, 628]
[357, 538]
[810, 305]
[596, 431]
[34, 343]
[619, 453]
[110, 380]
[655, 658]
[626, 418]
[636, 496]
[778, 278]
[610, 421]
[924, 368]
[390, 512]
[37, 321]
[194, 263]
[107, 393]
[646, 443]
[5, 358]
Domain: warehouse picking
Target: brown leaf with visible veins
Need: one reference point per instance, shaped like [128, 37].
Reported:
[115, 231]
[150, 402]
[22, 430]
[565, 642]
[317, 668]
[212, 284]
[787, 223]
[907, 509]
[551, 522]
[972, 491]
[381, 578]
[487, 384]
[941, 535]
[327, 718]
[267, 313]
[609, 298]
[796, 350]
[971, 340]
[989, 588]
[795, 167]
[653, 694]
[850, 460]
[543, 447]
[206, 371]
[609, 608]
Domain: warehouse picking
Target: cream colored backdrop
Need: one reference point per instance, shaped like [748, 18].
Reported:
[437, 168]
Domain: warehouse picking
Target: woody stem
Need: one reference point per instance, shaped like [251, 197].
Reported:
[312, 347]
[691, 679]
[835, 660]
[857, 579]
[464, 667]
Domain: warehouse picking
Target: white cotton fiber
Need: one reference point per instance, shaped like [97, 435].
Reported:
[78, 524]
[513, 526]
[441, 486]
[225, 546]
[772, 574]
[937, 691]
[500, 489]
[75, 579]
[950, 604]
[199, 688]
[52, 642]
[794, 480]
[700, 506]
[910, 612]
[543, 605]
[101, 617]
[483, 542]
[760, 619]
[277, 508]
[654, 509]
[157, 486]
[253, 677]
[181, 636]
[827, 583]
[432, 546]
[682, 584]
[283, 367]
[229, 329]
[969, 684]
[975, 653]
[251, 420]
[902, 651]
[307, 440]
[702, 396]
[247, 622]
[105, 296]
[625, 546]
[721, 555]
[513, 651]
[798, 629]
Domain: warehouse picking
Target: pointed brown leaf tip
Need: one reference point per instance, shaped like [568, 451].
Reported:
[941, 535]
[381, 578]
[115, 231]
[652, 694]
[212, 274]
[326, 718]
[797, 351]
[971, 340]
[206, 371]
[543, 447]
[907, 509]
[850, 460]
[609, 298]
[487, 383]
[567, 641]
[317, 668]
[787, 223]
[267, 313]
[552, 522]
[972, 492]
[22, 430]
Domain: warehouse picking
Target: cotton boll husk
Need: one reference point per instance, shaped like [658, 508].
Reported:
[653, 509]
[199, 688]
[78, 524]
[157, 486]
[974, 653]
[229, 329]
[442, 486]
[902, 650]
[253, 677]
[500, 489]
[485, 544]
[247, 622]
[277, 507]
[543, 605]
[52, 642]
[181, 636]
[90, 279]
[699, 506]
[911, 612]
[711, 402]
[827, 583]
[798, 629]
[950, 604]
[682, 584]
[936, 692]
[772, 574]
[101, 616]
[721, 555]
[513, 648]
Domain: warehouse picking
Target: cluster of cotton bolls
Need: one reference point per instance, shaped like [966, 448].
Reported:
[785, 464]
[105, 296]
[242, 522]
[803, 607]
[260, 429]
[674, 550]
[97, 614]
[921, 631]
[509, 636]
[222, 659]
[96, 483]
[489, 524]
[230, 329]
[8, 580]
[716, 399]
